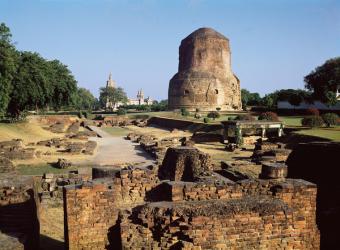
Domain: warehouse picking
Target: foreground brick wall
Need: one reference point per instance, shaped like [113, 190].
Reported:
[91, 211]
[253, 222]
[19, 212]
[134, 210]
[321, 166]
[267, 215]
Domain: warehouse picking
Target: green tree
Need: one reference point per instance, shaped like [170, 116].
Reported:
[330, 119]
[269, 100]
[248, 98]
[295, 99]
[28, 81]
[244, 97]
[324, 81]
[40, 84]
[121, 111]
[62, 85]
[84, 99]
[30, 85]
[254, 99]
[330, 98]
[161, 106]
[8, 64]
[112, 95]
[293, 96]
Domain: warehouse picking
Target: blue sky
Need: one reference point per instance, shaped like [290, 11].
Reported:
[274, 43]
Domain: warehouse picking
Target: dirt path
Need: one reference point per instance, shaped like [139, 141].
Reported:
[116, 150]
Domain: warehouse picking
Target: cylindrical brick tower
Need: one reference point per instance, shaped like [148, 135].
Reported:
[204, 79]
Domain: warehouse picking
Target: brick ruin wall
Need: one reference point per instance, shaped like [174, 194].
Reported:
[91, 211]
[19, 212]
[135, 210]
[318, 162]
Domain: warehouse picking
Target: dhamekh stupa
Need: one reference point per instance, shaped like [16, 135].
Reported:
[205, 79]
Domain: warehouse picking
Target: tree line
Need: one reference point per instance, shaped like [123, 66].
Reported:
[321, 84]
[30, 82]
[293, 96]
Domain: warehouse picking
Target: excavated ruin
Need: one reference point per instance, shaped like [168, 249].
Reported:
[184, 204]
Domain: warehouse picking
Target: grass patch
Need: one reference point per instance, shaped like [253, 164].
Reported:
[28, 131]
[332, 134]
[291, 121]
[116, 131]
[40, 169]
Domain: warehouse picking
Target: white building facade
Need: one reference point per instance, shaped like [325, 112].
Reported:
[140, 100]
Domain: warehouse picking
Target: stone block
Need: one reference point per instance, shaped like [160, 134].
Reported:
[274, 171]
[184, 163]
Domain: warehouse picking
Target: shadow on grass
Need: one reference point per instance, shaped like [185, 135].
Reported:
[141, 152]
[240, 158]
[292, 139]
[40, 169]
[48, 243]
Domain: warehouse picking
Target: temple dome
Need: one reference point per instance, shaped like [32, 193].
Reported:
[205, 33]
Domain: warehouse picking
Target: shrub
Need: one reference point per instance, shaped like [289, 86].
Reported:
[213, 114]
[158, 107]
[19, 117]
[198, 115]
[87, 114]
[312, 121]
[269, 116]
[184, 112]
[330, 119]
[84, 114]
[246, 117]
[239, 138]
[312, 111]
[206, 120]
[121, 111]
[98, 117]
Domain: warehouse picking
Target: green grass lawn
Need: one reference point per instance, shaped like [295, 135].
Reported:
[332, 134]
[291, 121]
[40, 169]
[116, 131]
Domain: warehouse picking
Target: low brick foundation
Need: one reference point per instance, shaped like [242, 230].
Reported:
[136, 210]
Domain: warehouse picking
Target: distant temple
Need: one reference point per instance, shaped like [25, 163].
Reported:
[140, 100]
[110, 84]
